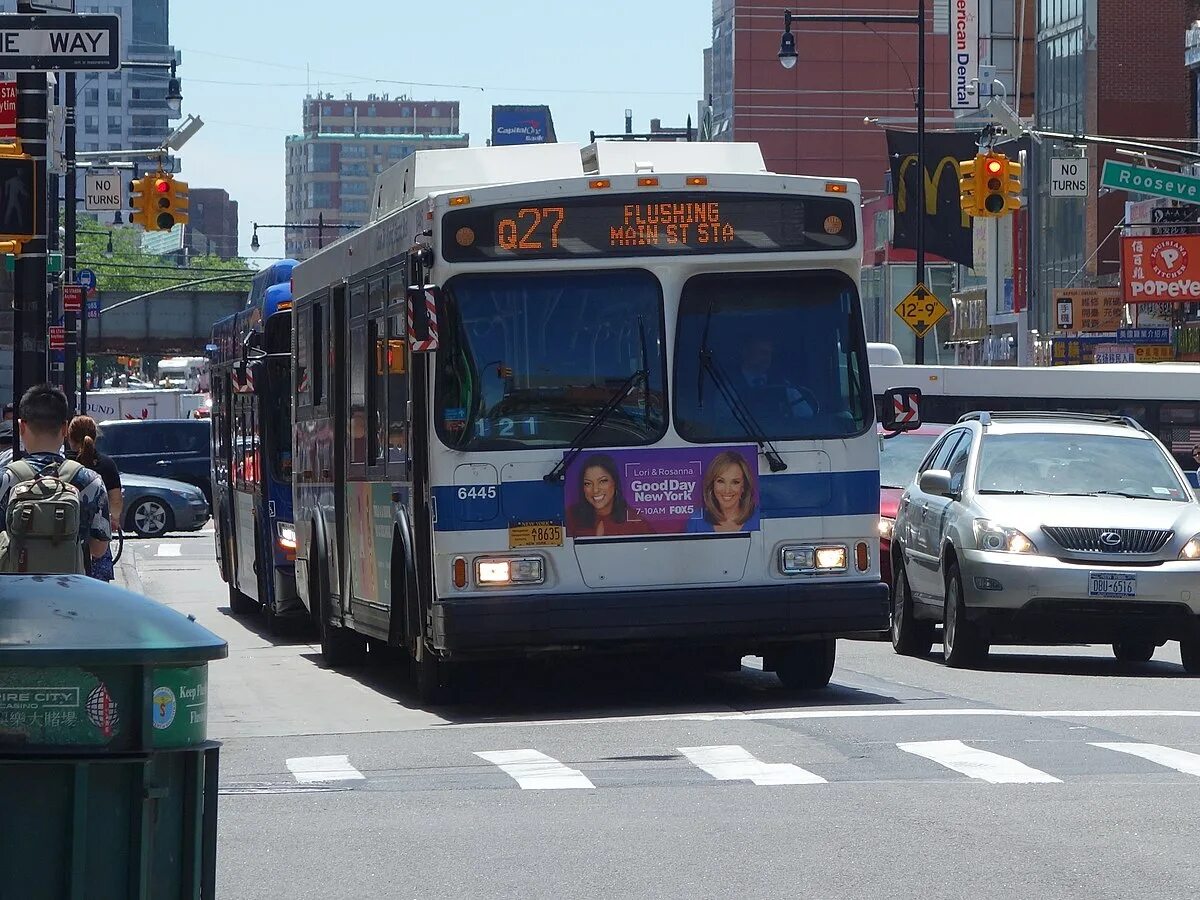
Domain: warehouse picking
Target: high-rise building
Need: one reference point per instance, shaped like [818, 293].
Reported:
[212, 227]
[345, 144]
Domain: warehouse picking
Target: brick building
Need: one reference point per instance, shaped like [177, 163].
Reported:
[212, 223]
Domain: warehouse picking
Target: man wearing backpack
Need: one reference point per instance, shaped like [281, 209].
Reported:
[53, 511]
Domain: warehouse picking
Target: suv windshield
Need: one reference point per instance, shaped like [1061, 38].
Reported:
[527, 360]
[1077, 464]
[788, 344]
[900, 456]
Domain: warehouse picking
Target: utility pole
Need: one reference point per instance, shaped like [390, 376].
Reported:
[76, 324]
[922, 212]
[30, 320]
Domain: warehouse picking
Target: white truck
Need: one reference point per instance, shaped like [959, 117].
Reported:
[106, 405]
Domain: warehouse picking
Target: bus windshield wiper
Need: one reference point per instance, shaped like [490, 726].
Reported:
[740, 411]
[614, 402]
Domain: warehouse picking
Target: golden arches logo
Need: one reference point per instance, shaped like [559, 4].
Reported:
[931, 186]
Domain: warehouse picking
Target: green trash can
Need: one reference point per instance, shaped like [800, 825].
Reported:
[108, 782]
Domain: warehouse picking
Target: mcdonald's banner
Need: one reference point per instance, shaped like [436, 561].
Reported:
[947, 228]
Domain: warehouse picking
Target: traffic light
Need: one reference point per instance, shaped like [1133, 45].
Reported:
[968, 186]
[1012, 186]
[995, 167]
[140, 202]
[159, 201]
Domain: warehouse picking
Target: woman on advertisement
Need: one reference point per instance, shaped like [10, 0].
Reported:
[728, 491]
[602, 510]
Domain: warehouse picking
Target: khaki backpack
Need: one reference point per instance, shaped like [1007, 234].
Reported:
[42, 534]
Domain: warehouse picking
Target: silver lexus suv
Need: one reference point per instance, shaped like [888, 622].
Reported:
[1047, 528]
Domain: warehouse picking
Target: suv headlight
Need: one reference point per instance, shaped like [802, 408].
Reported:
[990, 536]
[1191, 550]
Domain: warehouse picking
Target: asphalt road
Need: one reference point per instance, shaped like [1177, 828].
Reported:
[1051, 773]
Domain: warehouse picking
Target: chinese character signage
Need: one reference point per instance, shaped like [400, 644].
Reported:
[1089, 309]
[1161, 269]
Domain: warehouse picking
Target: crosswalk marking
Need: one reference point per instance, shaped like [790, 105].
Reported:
[1179, 760]
[730, 762]
[170, 550]
[536, 771]
[314, 769]
[981, 764]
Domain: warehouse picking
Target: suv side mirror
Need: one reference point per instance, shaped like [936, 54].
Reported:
[901, 409]
[936, 482]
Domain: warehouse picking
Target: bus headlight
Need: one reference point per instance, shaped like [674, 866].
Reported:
[520, 570]
[285, 533]
[886, 527]
[812, 560]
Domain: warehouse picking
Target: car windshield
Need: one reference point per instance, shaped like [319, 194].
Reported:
[1077, 464]
[527, 360]
[787, 346]
[899, 457]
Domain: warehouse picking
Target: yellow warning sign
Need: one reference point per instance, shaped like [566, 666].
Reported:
[921, 310]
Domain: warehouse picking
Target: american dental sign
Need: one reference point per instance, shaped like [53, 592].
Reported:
[964, 54]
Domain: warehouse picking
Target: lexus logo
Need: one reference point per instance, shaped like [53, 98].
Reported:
[1110, 538]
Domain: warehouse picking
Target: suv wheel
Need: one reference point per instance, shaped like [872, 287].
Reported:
[1134, 651]
[910, 637]
[961, 644]
[1189, 649]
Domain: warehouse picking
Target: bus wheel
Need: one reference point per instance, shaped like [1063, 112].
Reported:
[240, 604]
[806, 665]
[339, 646]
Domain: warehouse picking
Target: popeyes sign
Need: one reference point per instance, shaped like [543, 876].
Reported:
[1161, 269]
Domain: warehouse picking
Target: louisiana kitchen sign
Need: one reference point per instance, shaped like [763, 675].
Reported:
[1161, 269]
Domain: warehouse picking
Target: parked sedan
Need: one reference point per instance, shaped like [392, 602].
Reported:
[1047, 528]
[899, 458]
[155, 506]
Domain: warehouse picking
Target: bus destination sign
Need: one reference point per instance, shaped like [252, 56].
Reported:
[648, 225]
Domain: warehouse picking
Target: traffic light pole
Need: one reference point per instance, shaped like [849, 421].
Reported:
[29, 279]
[76, 325]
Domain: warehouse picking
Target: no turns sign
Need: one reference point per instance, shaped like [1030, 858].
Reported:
[102, 193]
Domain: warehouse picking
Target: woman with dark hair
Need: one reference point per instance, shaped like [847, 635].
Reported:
[601, 509]
[728, 495]
[81, 437]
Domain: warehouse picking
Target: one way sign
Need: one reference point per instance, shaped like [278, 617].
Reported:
[43, 43]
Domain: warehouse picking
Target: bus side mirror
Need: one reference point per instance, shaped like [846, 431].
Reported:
[422, 317]
[902, 409]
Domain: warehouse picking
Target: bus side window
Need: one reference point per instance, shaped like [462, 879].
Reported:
[397, 394]
[357, 435]
[317, 344]
[376, 391]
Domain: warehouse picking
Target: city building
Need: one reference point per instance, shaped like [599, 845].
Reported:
[212, 227]
[345, 144]
[1097, 75]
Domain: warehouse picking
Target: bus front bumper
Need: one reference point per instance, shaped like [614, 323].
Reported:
[746, 618]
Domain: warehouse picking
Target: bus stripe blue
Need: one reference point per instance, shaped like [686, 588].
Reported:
[805, 496]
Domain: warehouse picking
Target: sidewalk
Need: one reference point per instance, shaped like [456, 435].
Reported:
[127, 574]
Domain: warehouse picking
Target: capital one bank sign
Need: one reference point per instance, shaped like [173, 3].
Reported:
[964, 54]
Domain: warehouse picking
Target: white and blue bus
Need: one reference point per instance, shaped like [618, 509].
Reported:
[610, 398]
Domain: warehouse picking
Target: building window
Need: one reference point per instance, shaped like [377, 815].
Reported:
[114, 96]
[91, 124]
[91, 97]
[114, 124]
[406, 111]
[433, 111]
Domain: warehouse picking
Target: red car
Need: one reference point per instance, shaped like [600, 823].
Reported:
[899, 457]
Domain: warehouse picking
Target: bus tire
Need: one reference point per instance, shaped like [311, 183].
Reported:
[239, 603]
[806, 665]
[1189, 652]
[340, 647]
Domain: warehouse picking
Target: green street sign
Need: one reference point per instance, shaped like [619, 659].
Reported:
[54, 263]
[1153, 182]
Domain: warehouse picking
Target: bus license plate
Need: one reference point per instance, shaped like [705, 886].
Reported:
[1109, 585]
[535, 534]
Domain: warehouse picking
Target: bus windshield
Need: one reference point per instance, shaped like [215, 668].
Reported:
[527, 360]
[786, 347]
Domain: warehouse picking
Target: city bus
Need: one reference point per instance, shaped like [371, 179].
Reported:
[251, 381]
[1163, 397]
[607, 399]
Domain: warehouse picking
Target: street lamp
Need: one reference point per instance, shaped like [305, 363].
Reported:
[788, 58]
[174, 96]
[320, 225]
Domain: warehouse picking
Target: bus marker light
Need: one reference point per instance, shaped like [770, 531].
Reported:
[832, 187]
[697, 181]
[862, 556]
[459, 568]
[286, 534]
[647, 182]
[460, 200]
[599, 184]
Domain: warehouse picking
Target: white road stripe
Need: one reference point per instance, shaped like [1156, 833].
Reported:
[981, 764]
[1179, 760]
[733, 763]
[314, 769]
[536, 771]
[170, 550]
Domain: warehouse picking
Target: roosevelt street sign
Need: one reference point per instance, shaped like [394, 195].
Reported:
[1152, 182]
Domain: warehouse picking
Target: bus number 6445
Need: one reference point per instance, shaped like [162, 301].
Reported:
[527, 231]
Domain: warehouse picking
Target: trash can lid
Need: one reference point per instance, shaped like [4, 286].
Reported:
[53, 620]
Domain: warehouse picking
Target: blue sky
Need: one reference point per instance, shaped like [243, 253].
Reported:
[246, 65]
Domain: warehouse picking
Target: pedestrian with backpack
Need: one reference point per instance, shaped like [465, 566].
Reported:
[82, 435]
[53, 511]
